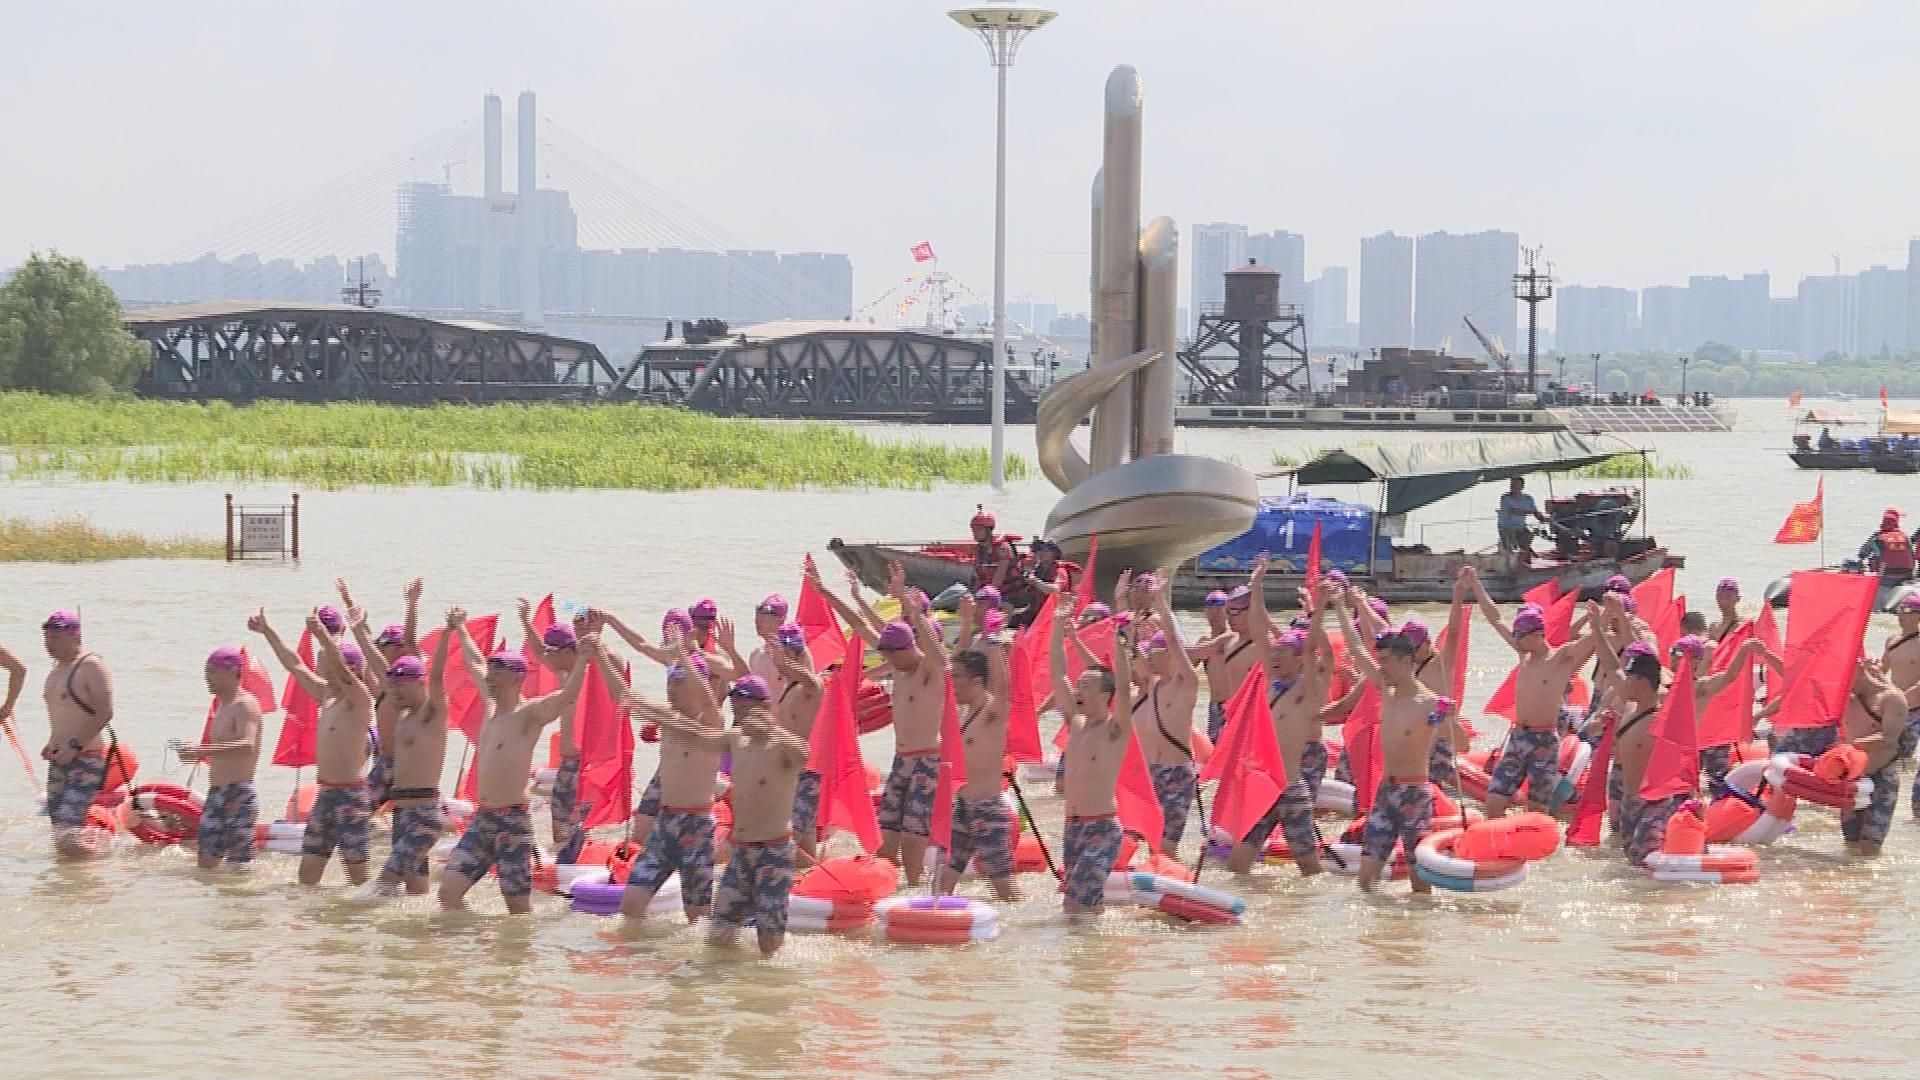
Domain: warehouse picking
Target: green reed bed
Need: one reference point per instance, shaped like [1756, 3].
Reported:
[1627, 467]
[75, 540]
[487, 446]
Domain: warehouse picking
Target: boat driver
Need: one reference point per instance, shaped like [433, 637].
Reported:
[1888, 551]
[993, 557]
[1516, 506]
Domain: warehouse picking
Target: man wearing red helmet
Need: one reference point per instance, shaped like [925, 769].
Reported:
[993, 557]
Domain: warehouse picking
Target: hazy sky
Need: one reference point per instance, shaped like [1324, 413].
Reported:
[1639, 141]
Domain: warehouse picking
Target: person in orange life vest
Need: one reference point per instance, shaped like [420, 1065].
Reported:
[1889, 552]
[993, 558]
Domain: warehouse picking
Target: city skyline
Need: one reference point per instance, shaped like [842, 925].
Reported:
[1612, 199]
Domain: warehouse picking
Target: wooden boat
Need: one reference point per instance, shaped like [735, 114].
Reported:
[1590, 540]
[1829, 459]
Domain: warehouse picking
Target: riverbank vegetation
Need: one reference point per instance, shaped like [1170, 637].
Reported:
[60, 331]
[76, 540]
[1627, 467]
[494, 446]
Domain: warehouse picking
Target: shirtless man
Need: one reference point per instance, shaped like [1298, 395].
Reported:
[1875, 705]
[1411, 718]
[79, 697]
[1296, 667]
[414, 713]
[342, 812]
[1901, 662]
[1532, 752]
[767, 759]
[394, 641]
[1163, 718]
[769, 615]
[982, 823]
[681, 839]
[796, 707]
[1727, 596]
[232, 753]
[501, 833]
[1097, 708]
[558, 650]
[1434, 668]
[1641, 826]
[1228, 659]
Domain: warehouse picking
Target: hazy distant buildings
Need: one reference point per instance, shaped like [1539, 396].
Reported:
[1327, 323]
[1285, 252]
[1880, 311]
[1218, 246]
[1595, 319]
[1460, 274]
[1829, 316]
[1731, 311]
[246, 277]
[1666, 325]
[1783, 324]
[1386, 291]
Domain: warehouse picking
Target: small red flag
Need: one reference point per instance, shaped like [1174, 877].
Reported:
[923, 251]
[466, 708]
[1313, 558]
[1247, 762]
[835, 754]
[1027, 673]
[1673, 768]
[1543, 594]
[1134, 800]
[1883, 395]
[952, 772]
[1361, 733]
[539, 679]
[1585, 830]
[1728, 718]
[1805, 520]
[825, 639]
[1085, 590]
[300, 716]
[1826, 621]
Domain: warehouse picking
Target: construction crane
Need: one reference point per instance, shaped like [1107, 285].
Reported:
[1495, 351]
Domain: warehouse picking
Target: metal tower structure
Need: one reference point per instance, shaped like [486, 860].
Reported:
[1531, 287]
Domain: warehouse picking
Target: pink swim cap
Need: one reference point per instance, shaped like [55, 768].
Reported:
[987, 597]
[896, 637]
[695, 661]
[1619, 583]
[407, 668]
[1530, 620]
[1378, 607]
[793, 636]
[61, 620]
[330, 618]
[392, 634]
[1908, 602]
[559, 636]
[1293, 640]
[509, 661]
[352, 655]
[774, 605]
[226, 658]
[1415, 631]
[705, 608]
[677, 617]
[1728, 584]
[1693, 645]
[994, 621]
[749, 688]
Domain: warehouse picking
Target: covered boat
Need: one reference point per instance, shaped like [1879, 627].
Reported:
[1590, 537]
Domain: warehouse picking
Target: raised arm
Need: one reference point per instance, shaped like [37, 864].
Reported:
[1163, 607]
[1122, 660]
[559, 703]
[314, 686]
[633, 638]
[796, 670]
[926, 633]
[330, 649]
[1456, 626]
[411, 627]
[856, 622]
[476, 664]
[723, 633]
[1057, 655]
[1359, 652]
[376, 671]
[535, 647]
[1489, 609]
[437, 671]
[609, 668]
[16, 678]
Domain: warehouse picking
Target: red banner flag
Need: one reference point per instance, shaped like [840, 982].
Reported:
[1585, 829]
[539, 679]
[1673, 768]
[825, 639]
[1559, 617]
[1805, 520]
[952, 771]
[1085, 589]
[1027, 676]
[1728, 719]
[1826, 621]
[835, 754]
[1134, 800]
[1361, 734]
[466, 708]
[1652, 597]
[1543, 594]
[923, 251]
[300, 716]
[1883, 395]
[1247, 763]
[1313, 558]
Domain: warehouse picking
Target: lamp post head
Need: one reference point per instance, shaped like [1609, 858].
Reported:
[1002, 26]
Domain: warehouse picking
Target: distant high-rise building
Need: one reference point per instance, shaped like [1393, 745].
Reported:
[1783, 324]
[1595, 318]
[1665, 322]
[1829, 316]
[1731, 311]
[1913, 292]
[1218, 247]
[1465, 274]
[1327, 308]
[1880, 318]
[1287, 253]
[1386, 291]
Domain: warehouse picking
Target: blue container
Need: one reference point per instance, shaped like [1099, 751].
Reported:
[1283, 530]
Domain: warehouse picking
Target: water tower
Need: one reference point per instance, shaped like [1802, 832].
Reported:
[1248, 345]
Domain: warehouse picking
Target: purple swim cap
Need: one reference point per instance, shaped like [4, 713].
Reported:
[987, 597]
[406, 669]
[1241, 597]
[1908, 602]
[994, 621]
[330, 618]
[1415, 631]
[1216, 598]
[695, 661]
[677, 617]
[559, 636]
[1293, 640]
[1619, 583]
[61, 620]
[1728, 584]
[705, 608]
[793, 636]
[510, 661]
[1337, 577]
[226, 658]
[1530, 620]
[896, 636]
[352, 655]
[1693, 644]
[1094, 612]
[1629, 604]
[774, 605]
[1635, 650]
[391, 634]
[748, 688]
[1378, 607]
[1157, 641]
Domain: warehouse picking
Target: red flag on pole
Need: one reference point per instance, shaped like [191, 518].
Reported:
[1247, 763]
[466, 708]
[1027, 673]
[835, 754]
[1673, 768]
[923, 251]
[1361, 733]
[1652, 597]
[1883, 395]
[1134, 800]
[1826, 621]
[1728, 719]
[540, 680]
[1804, 521]
[825, 639]
[952, 771]
[1585, 830]
[1543, 594]
[1085, 591]
[1313, 558]
[300, 716]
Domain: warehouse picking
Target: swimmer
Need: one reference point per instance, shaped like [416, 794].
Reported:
[394, 641]
[557, 648]
[1901, 662]
[341, 815]
[1228, 659]
[501, 833]
[1411, 718]
[705, 616]
[1641, 826]
[1874, 705]
[1435, 669]
[1707, 684]
[691, 742]
[1296, 667]
[16, 682]
[767, 760]
[1097, 705]
[232, 753]
[414, 710]
[769, 615]
[1165, 730]
[795, 708]
[983, 825]
[1541, 712]
[1726, 597]
[79, 697]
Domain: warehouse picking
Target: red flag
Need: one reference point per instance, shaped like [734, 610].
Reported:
[1585, 830]
[1542, 594]
[466, 708]
[300, 716]
[1559, 618]
[1729, 715]
[1652, 597]
[254, 680]
[1826, 620]
[1247, 763]
[1883, 395]
[1768, 630]
[1134, 800]
[1313, 558]
[1098, 638]
[1027, 663]
[825, 639]
[835, 754]
[952, 771]
[606, 787]
[1805, 520]
[469, 785]
[1361, 734]
[1673, 768]
[539, 679]
[600, 725]
[1085, 590]
[1665, 625]
[923, 251]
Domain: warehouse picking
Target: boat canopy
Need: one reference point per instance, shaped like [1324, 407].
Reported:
[1822, 416]
[1900, 423]
[1425, 473]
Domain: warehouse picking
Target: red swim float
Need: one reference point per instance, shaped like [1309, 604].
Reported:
[162, 814]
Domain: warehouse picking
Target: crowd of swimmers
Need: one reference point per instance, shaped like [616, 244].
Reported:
[381, 735]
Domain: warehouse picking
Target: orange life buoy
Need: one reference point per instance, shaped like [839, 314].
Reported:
[162, 814]
[1527, 836]
[856, 878]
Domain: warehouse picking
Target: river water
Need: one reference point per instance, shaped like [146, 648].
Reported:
[139, 966]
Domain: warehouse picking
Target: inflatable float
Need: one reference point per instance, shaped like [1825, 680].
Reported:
[935, 920]
[1476, 772]
[1733, 819]
[1441, 867]
[1794, 775]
